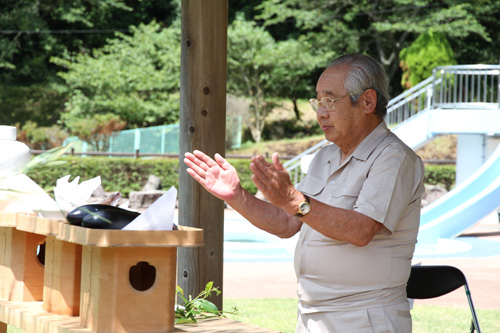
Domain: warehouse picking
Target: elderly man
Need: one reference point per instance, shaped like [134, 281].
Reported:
[357, 210]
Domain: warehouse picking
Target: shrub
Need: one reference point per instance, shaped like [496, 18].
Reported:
[130, 174]
[127, 174]
[440, 174]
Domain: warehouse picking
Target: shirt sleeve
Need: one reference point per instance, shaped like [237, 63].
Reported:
[390, 186]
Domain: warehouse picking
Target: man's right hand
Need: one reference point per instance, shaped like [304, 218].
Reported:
[217, 175]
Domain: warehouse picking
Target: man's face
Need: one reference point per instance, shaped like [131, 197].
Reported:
[339, 124]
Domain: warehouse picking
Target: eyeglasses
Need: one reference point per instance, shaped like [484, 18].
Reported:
[327, 102]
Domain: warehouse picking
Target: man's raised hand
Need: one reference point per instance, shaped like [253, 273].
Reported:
[217, 175]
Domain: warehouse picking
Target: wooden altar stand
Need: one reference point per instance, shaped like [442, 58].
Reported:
[58, 278]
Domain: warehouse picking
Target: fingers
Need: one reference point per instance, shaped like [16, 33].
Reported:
[262, 168]
[276, 162]
[221, 161]
[196, 176]
[204, 158]
[199, 164]
[260, 165]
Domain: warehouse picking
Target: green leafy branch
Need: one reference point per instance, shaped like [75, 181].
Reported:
[48, 159]
[199, 307]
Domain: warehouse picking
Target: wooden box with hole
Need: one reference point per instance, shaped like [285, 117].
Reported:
[62, 265]
[128, 278]
[21, 260]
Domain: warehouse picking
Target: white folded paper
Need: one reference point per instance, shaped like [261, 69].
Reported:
[70, 195]
[158, 216]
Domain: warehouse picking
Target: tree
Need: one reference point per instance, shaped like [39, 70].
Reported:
[380, 28]
[97, 129]
[134, 77]
[293, 70]
[30, 43]
[247, 69]
[429, 50]
[34, 31]
[41, 137]
[262, 69]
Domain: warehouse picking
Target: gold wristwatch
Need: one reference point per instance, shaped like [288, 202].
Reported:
[304, 207]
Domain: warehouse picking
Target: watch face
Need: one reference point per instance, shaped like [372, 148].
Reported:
[304, 208]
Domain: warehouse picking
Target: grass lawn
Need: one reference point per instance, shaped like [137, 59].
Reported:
[280, 314]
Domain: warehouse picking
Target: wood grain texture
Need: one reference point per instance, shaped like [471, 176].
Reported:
[202, 127]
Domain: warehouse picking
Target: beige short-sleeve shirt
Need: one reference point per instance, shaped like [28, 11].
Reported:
[382, 179]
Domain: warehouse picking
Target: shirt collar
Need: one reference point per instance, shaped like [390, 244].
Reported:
[365, 148]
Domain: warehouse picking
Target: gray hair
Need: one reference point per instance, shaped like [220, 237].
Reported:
[365, 73]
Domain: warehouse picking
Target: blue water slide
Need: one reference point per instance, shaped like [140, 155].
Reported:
[465, 205]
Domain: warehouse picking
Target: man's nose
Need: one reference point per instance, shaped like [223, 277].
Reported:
[322, 112]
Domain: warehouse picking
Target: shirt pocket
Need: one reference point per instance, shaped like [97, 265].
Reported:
[345, 194]
[312, 186]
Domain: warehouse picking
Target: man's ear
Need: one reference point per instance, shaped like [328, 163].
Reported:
[370, 100]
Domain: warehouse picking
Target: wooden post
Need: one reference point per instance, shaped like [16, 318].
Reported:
[202, 127]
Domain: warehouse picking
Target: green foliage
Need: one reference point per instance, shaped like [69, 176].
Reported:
[261, 68]
[280, 314]
[42, 137]
[198, 308]
[49, 159]
[473, 50]
[131, 174]
[440, 175]
[286, 128]
[126, 174]
[431, 318]
[39, 103]
[379, 28]
[38, 30]
[97, 129]
[25, 51]
[248, 46]
[134, 77]
[429, 50]
[46, 161]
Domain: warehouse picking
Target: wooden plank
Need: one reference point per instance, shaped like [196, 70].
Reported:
[223, 325]
[202, 126]
[38, 225]
[8, 219]
[61, 287]
[30, 317]
[185, 236]
[3, 252]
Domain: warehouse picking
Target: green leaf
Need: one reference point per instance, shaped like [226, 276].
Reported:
[206, 306]
[209, 286]
[45, 160]
[199, 307]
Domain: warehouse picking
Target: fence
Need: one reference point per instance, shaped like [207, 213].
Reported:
[155, 140]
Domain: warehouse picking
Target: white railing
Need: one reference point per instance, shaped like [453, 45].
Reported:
[449, 87]
[466, 86]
